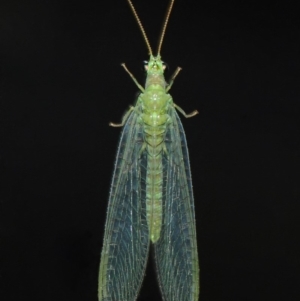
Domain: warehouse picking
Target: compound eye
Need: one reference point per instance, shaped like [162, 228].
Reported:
[145, 65]
[165, 66]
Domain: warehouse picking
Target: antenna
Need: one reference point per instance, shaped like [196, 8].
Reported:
[140, 26]
[163, 31]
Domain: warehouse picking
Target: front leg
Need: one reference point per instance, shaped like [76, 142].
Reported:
[133, 78]
[173, 78]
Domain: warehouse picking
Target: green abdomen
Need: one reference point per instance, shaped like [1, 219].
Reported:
[155, 118]
[154, 193]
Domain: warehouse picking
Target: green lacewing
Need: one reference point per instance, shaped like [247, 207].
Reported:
[151, 198]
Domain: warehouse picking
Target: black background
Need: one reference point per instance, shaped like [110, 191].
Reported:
[61, 84]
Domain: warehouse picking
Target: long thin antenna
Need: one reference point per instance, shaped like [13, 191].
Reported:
[140, 26]
[164, 26]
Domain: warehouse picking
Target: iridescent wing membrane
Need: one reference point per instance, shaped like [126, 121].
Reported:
[176, 250]
[126, 242]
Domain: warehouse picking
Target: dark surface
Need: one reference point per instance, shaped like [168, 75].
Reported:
[60, 85]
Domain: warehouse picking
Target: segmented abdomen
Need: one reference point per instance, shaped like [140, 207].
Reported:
[154, 181]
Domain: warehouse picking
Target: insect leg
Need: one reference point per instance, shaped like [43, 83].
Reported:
[125, 117]
[172, 78]
[133, 78]
[192, 114]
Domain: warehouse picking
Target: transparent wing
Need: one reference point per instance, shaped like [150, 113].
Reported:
[176, 250]
[126, 240]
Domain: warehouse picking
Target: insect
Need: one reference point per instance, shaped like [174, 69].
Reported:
[151, 198]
